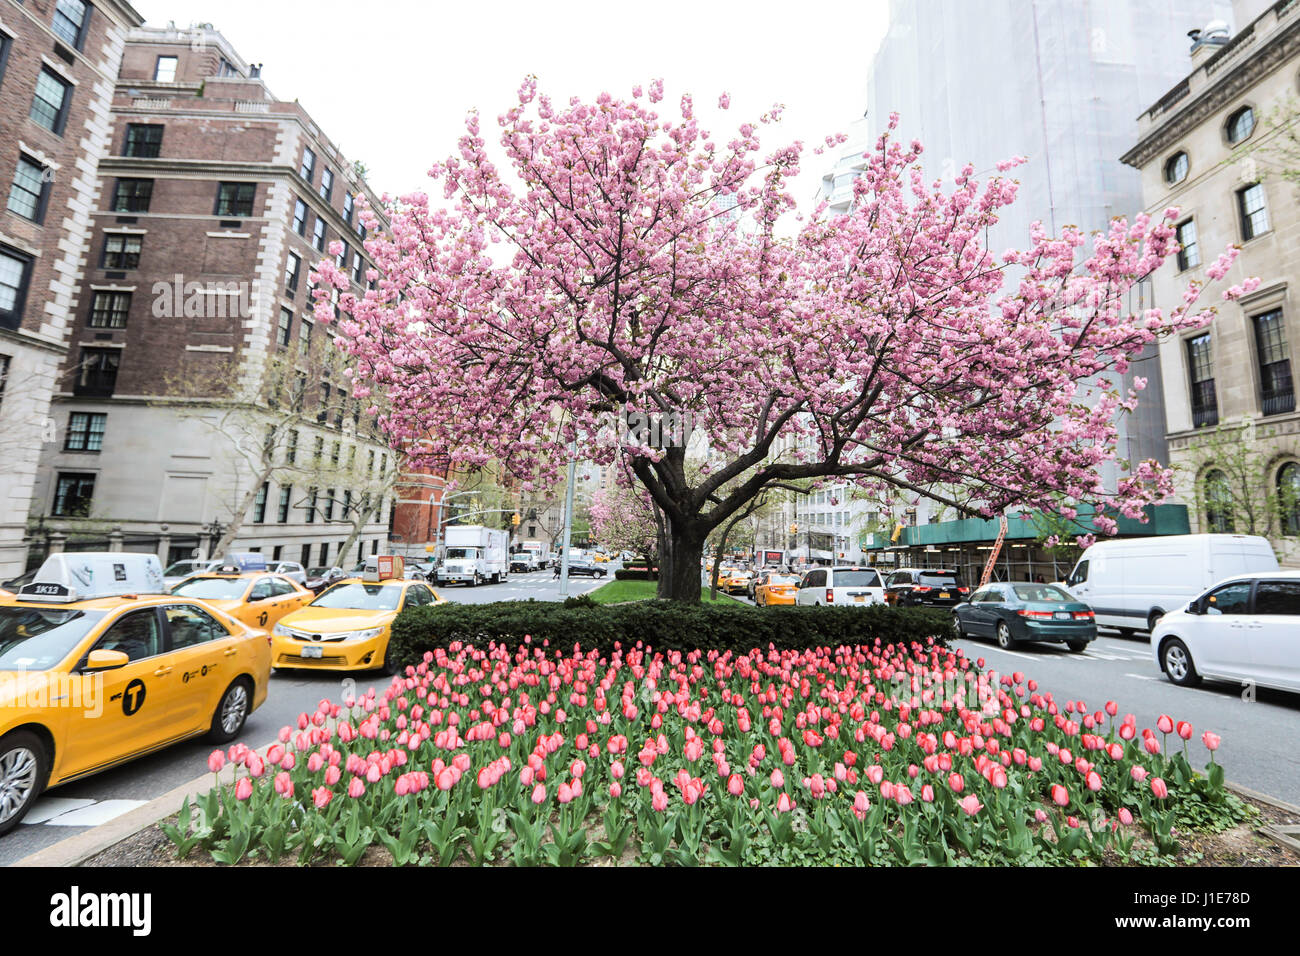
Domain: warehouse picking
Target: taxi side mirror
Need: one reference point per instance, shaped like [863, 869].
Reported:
[106, 660]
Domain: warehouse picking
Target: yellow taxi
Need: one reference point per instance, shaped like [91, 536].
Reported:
[256, 597]
[348, 626]
[732, 580]
[773, 587]
[96, 670]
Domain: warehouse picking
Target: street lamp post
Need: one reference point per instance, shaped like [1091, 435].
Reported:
[568, 521]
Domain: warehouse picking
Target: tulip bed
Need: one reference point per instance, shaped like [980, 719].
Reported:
[875, 754]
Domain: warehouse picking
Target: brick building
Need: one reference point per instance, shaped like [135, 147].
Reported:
[199, 395]
[58, 63]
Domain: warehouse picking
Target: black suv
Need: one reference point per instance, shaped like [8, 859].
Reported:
[930, 587]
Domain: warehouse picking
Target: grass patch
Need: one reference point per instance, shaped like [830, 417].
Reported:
[618, 591]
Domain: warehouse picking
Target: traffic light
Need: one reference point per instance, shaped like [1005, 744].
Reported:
[514, 520]
[794, 529]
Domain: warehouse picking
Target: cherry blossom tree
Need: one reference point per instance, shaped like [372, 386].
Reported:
[610, 263]
[623, 518]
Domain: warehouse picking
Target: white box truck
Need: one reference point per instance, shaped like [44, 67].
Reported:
[536, 553]
[1130, 583]
[474, 554]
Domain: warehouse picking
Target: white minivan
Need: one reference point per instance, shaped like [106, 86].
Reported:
[1246, 629]
[841, 587]
[1130, 583]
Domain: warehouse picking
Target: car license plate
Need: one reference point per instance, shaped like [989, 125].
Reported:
[1063, 615]
[859, 598]
[313, 652]
[944, 594]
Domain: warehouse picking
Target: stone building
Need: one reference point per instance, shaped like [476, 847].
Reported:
[1214, 147]
[199, 393]
[58, 64]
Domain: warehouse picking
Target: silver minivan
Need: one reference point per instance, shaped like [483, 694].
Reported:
[841, 587]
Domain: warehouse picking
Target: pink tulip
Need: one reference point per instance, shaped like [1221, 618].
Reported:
[956, 783]
[539, 793]
[1184, 730]
[615, 790]
[1165, 724]
[1060, 796]
[243, 789]
[784, 804]
[659, 802]
[332, 776]
[356, 788]
[1125, 817]
[284, 784]
[1211, 740]
[971, 805]
[778, 778]
[321, 797]
[216, 760]
[1158, 788]
[1093, 781]
[735, 785]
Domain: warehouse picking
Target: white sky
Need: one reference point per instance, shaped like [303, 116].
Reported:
[390, 81]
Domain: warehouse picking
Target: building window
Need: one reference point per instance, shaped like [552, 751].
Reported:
[236, 199]
[70, 20]
[300, 217]
[97, 372]
[259, 503]
[341, 260]
[1189, 255]
[132, 195]
[1276, 392]
[15, 272]
[286, 327]
[30, 190]
[73, 494]
[304, 333]
[108, 310]
[1176, 168]
[326, 183]
[1200, 367]
[1241, 124]
[50, 103]
[165, 70]
[5, 44]
[1288, 497]
[1254, 212]
[121, 251]
[348, 204]
[329, 505]
[358, 268]
[291, 448]
[144, 141]
[1218, 503]
[308, 168]
[292, 270]
[318, 235]
[305, 557]
[85, 432]
[312, 495]
[282, 513]
[323, 411]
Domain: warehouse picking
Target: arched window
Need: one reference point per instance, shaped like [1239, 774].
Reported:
[1218, 503]
[1176, 168]
[1288, 497]
[1241, 124]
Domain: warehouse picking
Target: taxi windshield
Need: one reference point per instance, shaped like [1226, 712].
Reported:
[37, 638]
[212, 589]
[360, 597]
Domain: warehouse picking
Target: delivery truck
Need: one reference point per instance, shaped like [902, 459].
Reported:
[474, 554]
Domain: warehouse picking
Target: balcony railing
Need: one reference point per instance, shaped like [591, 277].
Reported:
[1205, 407]
[1278, 402]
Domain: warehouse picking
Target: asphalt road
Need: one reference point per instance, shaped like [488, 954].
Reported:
[105, 796]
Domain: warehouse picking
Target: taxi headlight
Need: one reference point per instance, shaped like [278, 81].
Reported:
[281, 631]
[362, 635]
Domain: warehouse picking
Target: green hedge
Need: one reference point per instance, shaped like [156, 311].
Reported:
[663, 625]
[636, 574]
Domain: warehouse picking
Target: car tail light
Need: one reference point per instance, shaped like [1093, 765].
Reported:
[923, 590]
[830, 596]
[963, 590]
[1083, 615]
[1046, 614]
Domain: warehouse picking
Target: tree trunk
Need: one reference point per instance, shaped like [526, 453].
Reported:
[237, 519]
[679, 565]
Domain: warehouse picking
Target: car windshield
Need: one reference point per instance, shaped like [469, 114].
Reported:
[179, 568]
[856, 579]
[360, 597]
[461, 553]
[36, 639]
[940, 578]
[318, 572]
[212, 589]
[1042, 592]
[777, 580]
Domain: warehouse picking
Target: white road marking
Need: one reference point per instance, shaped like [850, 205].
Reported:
[95, 814]
[1142, 676]
[1028, 657]
[46, 808]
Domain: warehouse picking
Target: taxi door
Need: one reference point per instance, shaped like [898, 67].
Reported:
[205, 655]
[285, 597]
[269, 600]
[131, 702]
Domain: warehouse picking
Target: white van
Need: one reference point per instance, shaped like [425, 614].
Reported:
[1131, 582]
[841, 587]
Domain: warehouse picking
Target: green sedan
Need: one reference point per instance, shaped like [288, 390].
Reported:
[1014, 613]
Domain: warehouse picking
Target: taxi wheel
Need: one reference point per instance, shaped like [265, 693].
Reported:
[24, 769]
[231, 713]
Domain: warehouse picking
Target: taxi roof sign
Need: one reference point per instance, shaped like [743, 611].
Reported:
[80, 576]
[383, 567]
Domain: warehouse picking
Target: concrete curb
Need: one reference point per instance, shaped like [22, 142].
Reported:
[76, 850]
